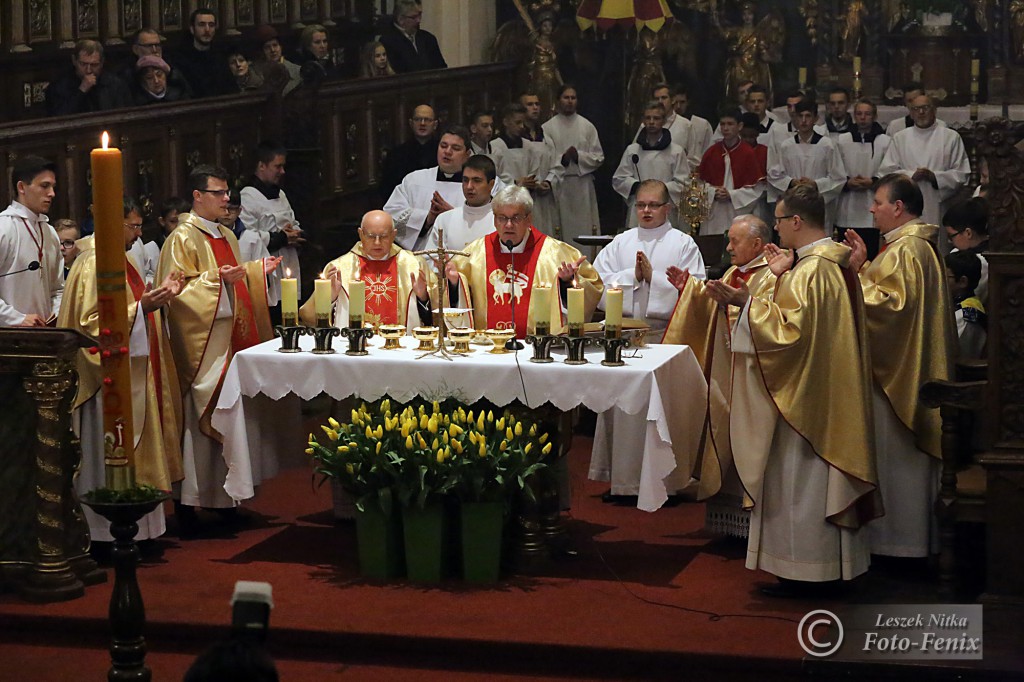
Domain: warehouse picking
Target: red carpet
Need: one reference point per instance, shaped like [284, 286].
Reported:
[648, 596]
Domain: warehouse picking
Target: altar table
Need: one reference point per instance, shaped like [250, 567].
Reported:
[650, 411]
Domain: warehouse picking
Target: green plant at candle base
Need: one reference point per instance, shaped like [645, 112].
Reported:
[135, 495]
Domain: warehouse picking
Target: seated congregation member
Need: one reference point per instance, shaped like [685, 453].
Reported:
[636, 260]
[966, 226]
[425, 194]
[203, 64]
[147, 42]
[373, 61]
[221, 310]
[315, 49]
[963, 272]
[487, 282]
[809, 475]
[474, 219]
[245, 77]
[155, 399]
[699, 322]
[734, 176]
[912, 340]
[409, 47]
[807, 157]
[152, 84]
[86, 87]
[275, 68]
[400, 289]
[416, 153]
[862, 149]
[653, 156]
[523, 162]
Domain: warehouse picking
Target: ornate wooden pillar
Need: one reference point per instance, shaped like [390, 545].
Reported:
[295, 14]
[229, 19]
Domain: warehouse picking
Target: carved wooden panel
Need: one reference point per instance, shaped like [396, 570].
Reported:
[87, 23]
[131, 17]
[308, 10]
[40, 14]
[245, 14]
[171, 18]
[278, 11]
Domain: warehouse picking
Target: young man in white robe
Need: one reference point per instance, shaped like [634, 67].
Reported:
[425, 194]
[576, 154]
[30, 257]
[481, 132]
[837, 113]
[700, 128]
[524, 162]
[653, 156]
[637, 260]
[679, 126]
[934, 157]
[779, 132]
[734, 175]
[756, 103]
[474, 219]
[807, 157]
[862, 149]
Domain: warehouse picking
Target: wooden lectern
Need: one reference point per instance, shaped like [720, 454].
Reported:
[44, 539]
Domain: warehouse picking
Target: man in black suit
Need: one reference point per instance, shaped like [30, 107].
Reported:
[409, 47]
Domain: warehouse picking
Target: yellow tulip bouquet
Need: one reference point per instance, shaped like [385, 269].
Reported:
[427, 450]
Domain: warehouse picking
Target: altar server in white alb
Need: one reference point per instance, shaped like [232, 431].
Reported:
[679, 126]
[425, 194]
[807, 157]
[31, 264]
[862, 149]
[637, 261]
[576, 152]
[734, 175]
[653, 156]
[934, 157]
[757, 103]
[474, 219]
[524, 162]
[781, 131]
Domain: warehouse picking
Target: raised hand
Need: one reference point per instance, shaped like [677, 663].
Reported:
[724, 294]
[335, 276]
[643, 270]
[677, 277]
[779, 260]
[229, 274]
[567, 271]
[419, 285]
[858, 250]
[270, 264]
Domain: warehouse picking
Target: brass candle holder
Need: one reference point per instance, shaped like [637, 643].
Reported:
[613, 346]
[323, 338]
[427, 336]
[499, 337]
[574, 345]
[461, 336]
[290, 337]
[542, 344]
[357, 337]
[392, 334]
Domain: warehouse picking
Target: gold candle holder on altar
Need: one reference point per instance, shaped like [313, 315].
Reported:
[461, 336]
[427, 336]
[392, 334]
[499, 337]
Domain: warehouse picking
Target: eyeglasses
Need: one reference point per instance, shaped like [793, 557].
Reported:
[376, 238]
[130, 226]
[780, 218]
[67, 243]
[922, 108]
[505, 219]
[216, 192]
[653, 205]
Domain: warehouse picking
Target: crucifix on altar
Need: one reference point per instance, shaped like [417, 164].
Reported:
[441, 256]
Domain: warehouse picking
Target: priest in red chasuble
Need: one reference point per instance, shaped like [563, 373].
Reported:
[507, 264]
[221, 310]
[400, 288]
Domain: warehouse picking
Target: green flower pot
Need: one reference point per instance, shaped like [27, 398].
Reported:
[424, 543]
[379, 538]
[482, 526]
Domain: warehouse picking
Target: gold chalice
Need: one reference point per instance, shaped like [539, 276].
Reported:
[461, 336]
[499, 337]
[392, 334]
[427, 336]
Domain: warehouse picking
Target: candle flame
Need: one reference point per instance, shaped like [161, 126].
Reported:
[106, 139]
[287, 272]
[323, 275]
[575, 284]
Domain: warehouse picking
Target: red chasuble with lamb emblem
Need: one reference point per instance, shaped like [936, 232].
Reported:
[504, 283]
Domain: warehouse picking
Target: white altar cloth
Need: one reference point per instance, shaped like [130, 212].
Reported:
[658, 396]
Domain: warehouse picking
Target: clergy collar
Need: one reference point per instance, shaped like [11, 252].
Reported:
[802, 251]
[663, 142]
[271, 192]
[893, 235]
[22, 211]
[755, 262]
[815, 138]
[521, 246]
[511, 142]
[210, 226]
[476, 212]
[445, 177]
[654, 232]
[358, 250]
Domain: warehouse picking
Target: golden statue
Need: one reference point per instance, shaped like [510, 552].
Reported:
[853, 29]
[645, 74]
[751, 48]
[535, 46]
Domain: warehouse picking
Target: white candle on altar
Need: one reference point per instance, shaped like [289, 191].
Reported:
[802, 78]
[322, 301]
[975, 67]
[613, 307]
[575, 301]
[541, 303]
[856, 64]
[289, 300]
[356, 302]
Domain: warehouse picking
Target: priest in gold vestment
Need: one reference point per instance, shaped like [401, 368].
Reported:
[802, 388]
[222, 309]
[400, 288]
[156, 400]
[488, 282]
[913, 337]
[699, 322]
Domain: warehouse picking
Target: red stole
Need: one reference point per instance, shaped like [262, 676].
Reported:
[741, 276]
[503, 282]
[743, 161]
[381, 278]
[138, 288]
[244, 333]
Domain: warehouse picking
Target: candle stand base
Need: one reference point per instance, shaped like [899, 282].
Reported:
[542, 344]
[357, 337]
[322, 339]
[613, 351]
[574, 345]
[127, 612]
[290, 337]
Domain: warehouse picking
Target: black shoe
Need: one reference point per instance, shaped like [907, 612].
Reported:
[622, 500]
[232, 517]
[189, 525]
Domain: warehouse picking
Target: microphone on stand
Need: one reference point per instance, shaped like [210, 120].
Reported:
[34, 265]
[513, 343]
